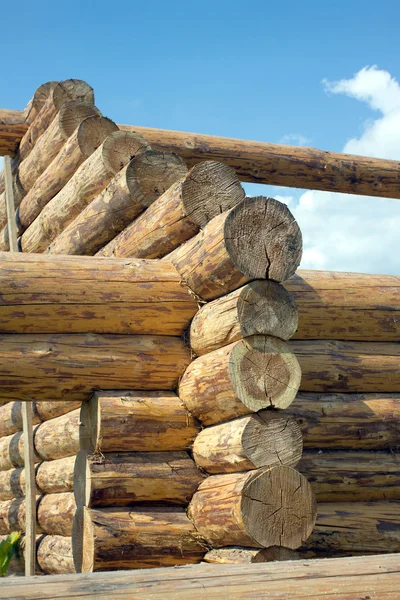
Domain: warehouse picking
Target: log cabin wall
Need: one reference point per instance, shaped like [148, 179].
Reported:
[184, 454]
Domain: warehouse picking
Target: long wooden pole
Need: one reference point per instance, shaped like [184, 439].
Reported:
[26, 409]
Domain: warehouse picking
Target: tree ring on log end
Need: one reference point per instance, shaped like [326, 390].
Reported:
[263, 239]
[264, 373]
[73, 113]
[92, 132]
[120, 147]
[72, 89]
[210, 189]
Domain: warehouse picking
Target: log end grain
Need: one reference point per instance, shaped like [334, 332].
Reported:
[120, 147]
[92, 132]
[73, 113]
[72, 89]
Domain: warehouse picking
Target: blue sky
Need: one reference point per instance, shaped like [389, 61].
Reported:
[252, 70]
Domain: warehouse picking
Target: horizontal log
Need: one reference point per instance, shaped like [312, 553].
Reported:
[348, 421]
[89, 180]
[260, 307]
[243, 377]
[258, 239]
[338, 476]
[355, 527]
[51, 477]
[245, 556]
[149, 537]
[71, 367]
[38, 100]
[58, 437]
[12, 484]
[346, 306]
[55, 513]
[334, 366]
[12, 128]
[124, 478]
[341, 578]
[136, 421]
[12, 451]
[54, 555]
[265, 439]
[258, 509]
[12, 515]
[11, 416]
[129, 193]
[92, 295]
[277, 164]
[52, 409]
[207, 190]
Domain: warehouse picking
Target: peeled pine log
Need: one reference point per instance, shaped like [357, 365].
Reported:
[50, 143]
[12, 484]
[70, 89]
[54, 555]
[259, 307]
[111, 538]
[89, 180]
[50, 410]
[258, 239]
[136, 421]
[124, 478]
[55, 513]
[346, 306]
[265, 439]
[11, 416]
[352, 476]
[241, 556]
[129, 193]
[207, 190]
[12, 129]
[355, 527]
[12, 451]
[334, 366]
[88, 136]
[38, 100]
[92, 295]
[70, 367]
[12, 515]
[59, 437]
[262, 508]
[246, 376]
[348, 421]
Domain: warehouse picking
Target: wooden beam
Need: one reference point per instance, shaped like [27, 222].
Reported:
[30, 490]
[10, 206]
[329, 579]
[12, 128]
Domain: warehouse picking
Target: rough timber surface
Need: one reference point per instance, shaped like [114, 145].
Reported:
[356, 578]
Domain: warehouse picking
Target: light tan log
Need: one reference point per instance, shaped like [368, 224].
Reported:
[88, 136]
[54, 555]
[350, 578]
[50, 410]
[12, 451]
[92, 295]
[124, 478]
[265, 439]
[277, 164]
[355, 527]
[70, 367]
[129, 193]
[70, 89]
[346, 306]
[207, 190]
[258, 239]
[38, 100]
[12, 484]
[50, 143]
[11, 417]
[55, 513]
[243, 377]
[338, 476]
[59, 437]
[12, 128]
[30, 489]
[150, 537]
[13, 514]
[262, 508]
[334, 366]
[243, 556]
[348, 421]
[260, 307]
[89, 180]
[136, 421]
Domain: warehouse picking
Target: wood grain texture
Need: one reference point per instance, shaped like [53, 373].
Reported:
[58, 437]
[12, 128]
[246, 376]
[30, 489]
[245, 556]
[258, 509]
[348, 421]
[136, 421]
[149, 537]
[72, 366]
[373, 577]
[11, 417]
[125, 478]
[264, 439]
[55, 513]
[129, 193]
[207, 190]
[54, 555]
[346, 306]
[257, 239]
[334, 366]
[92, 295]
[12, 451]
[260, 307]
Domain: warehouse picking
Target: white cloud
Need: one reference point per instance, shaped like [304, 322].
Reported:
[357, 233]
[294, 139]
